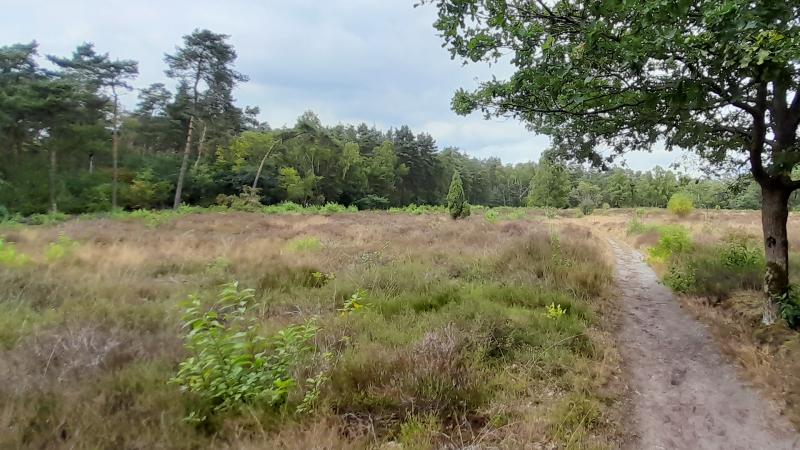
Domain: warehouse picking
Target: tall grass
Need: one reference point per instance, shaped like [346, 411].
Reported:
[433, 334]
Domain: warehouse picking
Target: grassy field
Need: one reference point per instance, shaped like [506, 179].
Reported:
[361, 330]
[714, 261]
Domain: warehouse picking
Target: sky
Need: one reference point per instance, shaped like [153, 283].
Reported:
[350, 61]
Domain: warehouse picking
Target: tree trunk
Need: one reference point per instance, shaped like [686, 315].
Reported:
[91, 163]
[201, 145]
[263, 161]
[53, 160]
[115, 154]
[774, 215]
[184, 164]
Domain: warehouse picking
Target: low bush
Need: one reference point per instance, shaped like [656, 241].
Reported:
[60, 249]
[681, 204]
[674, 240]
[303, 244]
[10, 257]
[231, 364]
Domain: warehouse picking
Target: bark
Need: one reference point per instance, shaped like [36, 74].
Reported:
[53, 160]
[91, 163]
[115, 155]
[201, 146]
[774, 215]
[184, 164]
[263, 161]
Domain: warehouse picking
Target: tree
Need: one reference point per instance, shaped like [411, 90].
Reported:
[205, 59]
[101, 72]
[586, 196]
[456, 200]
[549, 186]
[718, 78]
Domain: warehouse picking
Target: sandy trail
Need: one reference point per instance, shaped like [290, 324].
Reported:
[684, 394]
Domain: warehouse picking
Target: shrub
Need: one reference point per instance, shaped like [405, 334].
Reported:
[333, 208]
[146, 192]
[555, 312]
[492, 216]
[46, 219]
[306, 244]
[681, 278]
[739, 252]
[456, 199]
[230, 363]
[790, 307]
[10, 257]
[372, 201]
[587, 206]
[249, 200]
[60, 249]
[681, 204]
[674, 240]
[4, 214]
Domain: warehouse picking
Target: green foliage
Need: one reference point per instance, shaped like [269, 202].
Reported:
[674, 240]
[304, 244]
[249, 200]
[147, 192]
[789, 306]
[739, 252]
[60, 249]
[555, 312]
[46, 219]
[230, 363]
[550, 185]
[10, 257]
[681, 204]
[373, 201]
[356, 303]
[456, 199]
[681, 278]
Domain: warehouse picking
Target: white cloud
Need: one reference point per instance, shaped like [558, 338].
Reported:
[376, 61]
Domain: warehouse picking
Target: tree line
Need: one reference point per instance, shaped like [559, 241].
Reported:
[68, 145]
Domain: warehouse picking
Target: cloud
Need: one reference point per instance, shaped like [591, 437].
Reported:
[373, 61]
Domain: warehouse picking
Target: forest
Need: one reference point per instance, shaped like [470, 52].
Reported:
[70, 144]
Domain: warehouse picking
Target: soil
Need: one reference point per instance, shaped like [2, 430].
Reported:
[684, 394]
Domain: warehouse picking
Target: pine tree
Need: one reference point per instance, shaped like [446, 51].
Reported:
[456, 200]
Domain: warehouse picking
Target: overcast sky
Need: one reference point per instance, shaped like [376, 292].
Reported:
[350, 61]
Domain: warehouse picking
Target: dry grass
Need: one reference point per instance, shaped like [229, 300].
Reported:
[455, 348]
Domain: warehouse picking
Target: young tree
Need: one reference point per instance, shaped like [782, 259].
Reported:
[550, 185]
[718, 78]
[101, 72]
[456, 200]
[204, 61]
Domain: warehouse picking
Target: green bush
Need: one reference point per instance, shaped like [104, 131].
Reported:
[10, 257]
[681, 278]
[146, 192]
[674, 240]
[739, 253]
[587, 206]
[681, 204]
[249, 200]
[231, 364]
[46, 219]
[303, 244]
[60, 249]
[372, 201]
[456, 199]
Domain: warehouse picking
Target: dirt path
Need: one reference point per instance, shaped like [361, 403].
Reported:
[684, 394]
